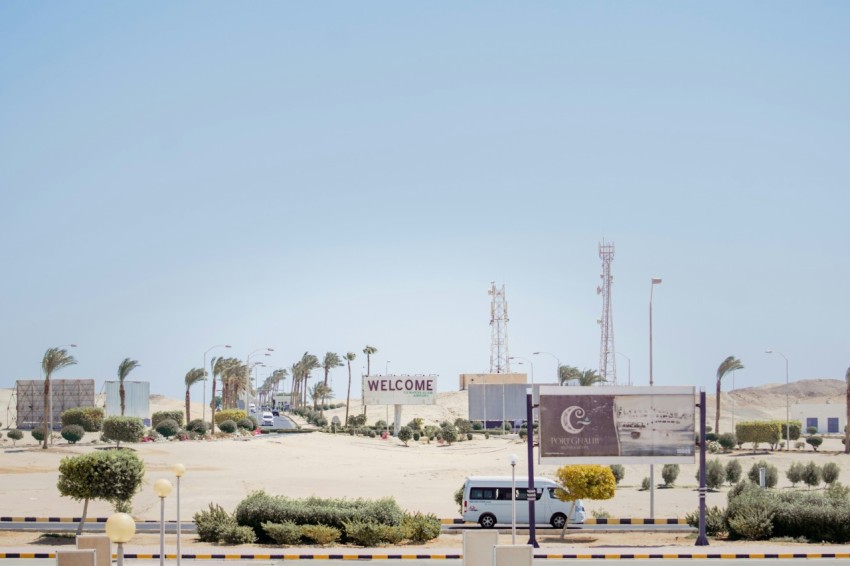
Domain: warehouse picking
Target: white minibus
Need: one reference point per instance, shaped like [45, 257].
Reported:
[487, 501]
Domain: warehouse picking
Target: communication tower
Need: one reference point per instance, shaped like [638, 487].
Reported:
[607, 357]
[499, 357]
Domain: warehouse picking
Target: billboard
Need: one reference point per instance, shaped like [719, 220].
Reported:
[399, 389]
[137, 395]
[617, 425]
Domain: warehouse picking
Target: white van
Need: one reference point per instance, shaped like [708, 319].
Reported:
[487, 501]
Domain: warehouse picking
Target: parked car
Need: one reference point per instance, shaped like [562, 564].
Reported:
[487, 500]
[268, 419]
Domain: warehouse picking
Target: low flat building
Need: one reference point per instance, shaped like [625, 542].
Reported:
[828, 418]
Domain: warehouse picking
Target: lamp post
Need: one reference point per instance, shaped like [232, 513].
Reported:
[179, 470]
[49, 431]
[513, 460]
[628, 359]
[204, 408]
[120, 528]
[267, 352]
[557, 368]
[529, 362]
[655, 281]
[162, 487]
[787, 402]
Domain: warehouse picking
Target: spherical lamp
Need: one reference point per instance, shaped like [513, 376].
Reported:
[120, 528]
[162, 487]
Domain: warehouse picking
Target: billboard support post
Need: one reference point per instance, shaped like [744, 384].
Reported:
[702, 540]
[532, 531]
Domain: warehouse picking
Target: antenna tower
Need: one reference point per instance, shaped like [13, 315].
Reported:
[607, 357]
[499, 358]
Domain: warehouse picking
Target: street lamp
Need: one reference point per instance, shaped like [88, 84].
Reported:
[787, 402]
[654, 281]
[628, 359]
[557, 368]
[179, 470]
[529, 362]
[204, 416]
[513, 460]
[120, 528]
[162, 487]
[267, 352]
[49, 431]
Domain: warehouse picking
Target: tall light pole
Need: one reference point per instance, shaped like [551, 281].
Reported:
[179, 470]
[49, 431]
[162, 487]
[628, 359]
[557, 368]
[529, 362]
[654, 281]
[787, 402]
[513, 459]
[204, 416]
[267, 352]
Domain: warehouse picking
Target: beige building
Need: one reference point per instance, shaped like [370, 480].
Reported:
[467, 379]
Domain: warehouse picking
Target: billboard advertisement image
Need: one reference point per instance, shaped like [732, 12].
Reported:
[400, 389]
[617, 425]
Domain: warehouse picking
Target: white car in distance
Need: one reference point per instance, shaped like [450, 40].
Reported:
[268, 419]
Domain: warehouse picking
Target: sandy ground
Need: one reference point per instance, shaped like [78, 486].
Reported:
[421, 477]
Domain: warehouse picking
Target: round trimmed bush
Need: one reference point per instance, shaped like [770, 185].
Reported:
[90, 418]
[73, 433]
[830, 472]
[167, 427]
[246, 424]
[227, 426]
[771, 474]
[619, 472]
[15, 435]
[38, 434]
[198, 426]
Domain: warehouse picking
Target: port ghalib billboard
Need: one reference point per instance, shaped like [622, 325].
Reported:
[617, 425]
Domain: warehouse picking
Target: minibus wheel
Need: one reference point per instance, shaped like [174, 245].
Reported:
[558, 520]
[487, 521]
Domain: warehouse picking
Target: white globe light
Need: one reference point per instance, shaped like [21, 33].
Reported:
[162, 487]
[178, 469]
[120, 527]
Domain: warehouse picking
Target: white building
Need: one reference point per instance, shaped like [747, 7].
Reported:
[828, 418]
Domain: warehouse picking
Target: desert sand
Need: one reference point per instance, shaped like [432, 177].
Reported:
[421, 477]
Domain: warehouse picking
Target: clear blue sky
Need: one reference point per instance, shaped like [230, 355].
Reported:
[319, 176]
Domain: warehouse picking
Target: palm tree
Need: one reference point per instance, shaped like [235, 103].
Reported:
[847, 422]
[567, 374]
[124, 369]
[307, 364]
[318, 393]
[218, 365]
[349, 357]
[369, 350]
[589, 377]
[332, 360]
[193, 376]
[729, 364]
[54, 359]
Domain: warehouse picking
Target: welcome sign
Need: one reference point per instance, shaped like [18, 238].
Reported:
[609, 425]
[400, 389]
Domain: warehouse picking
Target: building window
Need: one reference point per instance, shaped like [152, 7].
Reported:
[812, 422]
[832, 424]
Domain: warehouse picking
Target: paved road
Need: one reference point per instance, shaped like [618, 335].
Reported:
[447, 562]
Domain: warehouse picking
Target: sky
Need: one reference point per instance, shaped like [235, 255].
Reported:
[322, 176]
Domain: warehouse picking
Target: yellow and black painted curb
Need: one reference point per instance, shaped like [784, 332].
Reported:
[590, 521]
[459, 556]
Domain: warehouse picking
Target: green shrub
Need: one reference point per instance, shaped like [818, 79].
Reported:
[90, 418]
[710, 437]
[619, 472]
[260, 507]
[198, 426]
[110, 475]
[167, 427]
[15, 435]
[419, 528]
[229, 415]
[320, 534]
[246, 424]
[669, 473]
[38, 434]
[73, 433]
[372, 434]
[733, 471]
[793, 426]
[715, 475]
[758, 432]
[458, 498]
[477, 425]
[405, 434]
[416, 436]
[794, 473]
[123, 429]
[749, 512]
[372, 534]
[159, 416]
[715, 521]
[811, 474]
[814, 442]
[811, 429]
[771, 474]
[644, 484]
[211, 524]
[227, 426]
[463, 426]
[727, 440]
[449, 433]
[816, 516]
[238, 535]
[286, 533]
[830, 472]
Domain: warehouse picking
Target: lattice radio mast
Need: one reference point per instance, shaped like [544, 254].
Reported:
[499, 357]
[607, 356]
